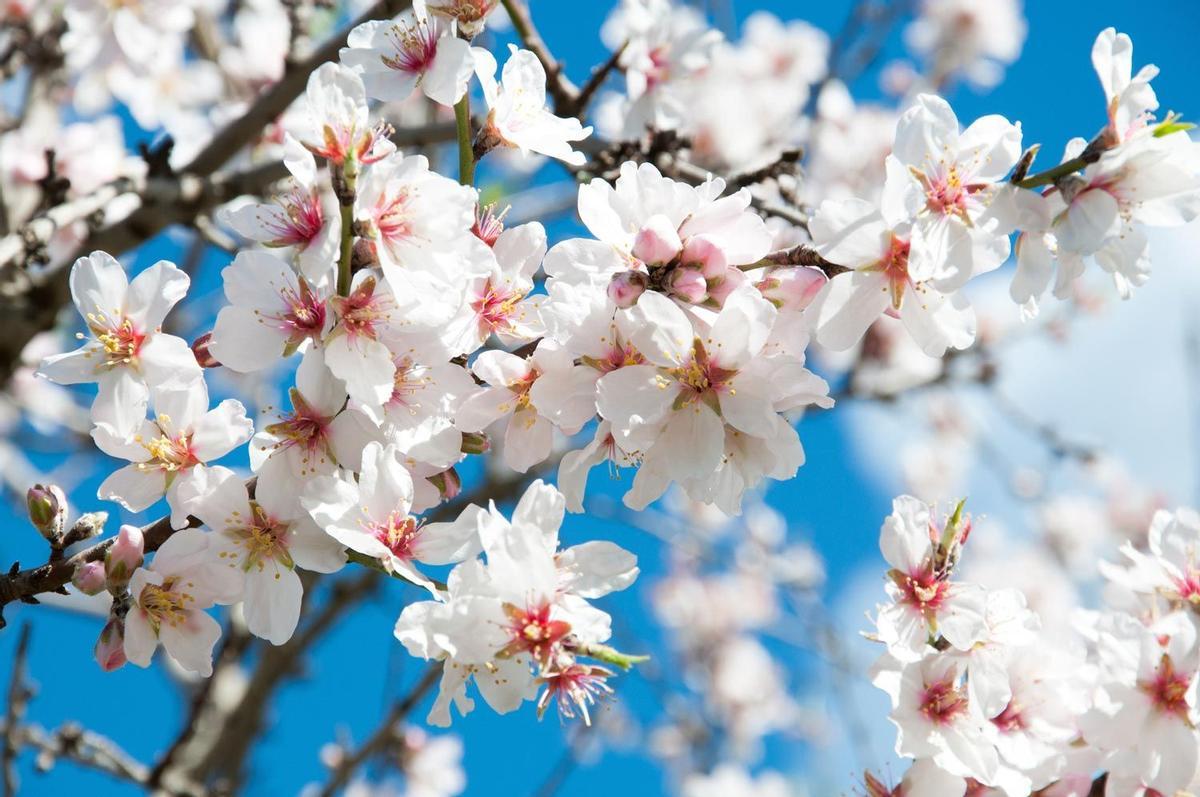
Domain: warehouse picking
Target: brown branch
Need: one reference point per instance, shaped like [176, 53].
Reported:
[563, 93]
[18, 701]
[579, 105]
[385, 735]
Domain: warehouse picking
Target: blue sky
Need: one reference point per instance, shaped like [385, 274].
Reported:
[835, 501]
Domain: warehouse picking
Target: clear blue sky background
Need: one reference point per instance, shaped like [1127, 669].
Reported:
[359, 669]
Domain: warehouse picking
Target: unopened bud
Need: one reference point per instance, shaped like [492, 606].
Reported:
[626, 287]
[110, 647]
[471, 15]
[657, 242]
[200, 348]
[87, 526]
[448, 483]
[720, 288]
[703, 254]
[475, 443]
[123, 557]
[48, 511]
[689, 285]
[89, 578]
[792, 288]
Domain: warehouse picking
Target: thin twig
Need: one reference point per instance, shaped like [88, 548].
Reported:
[385, 734]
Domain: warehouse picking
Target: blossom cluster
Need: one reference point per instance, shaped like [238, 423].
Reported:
[987, 701]
[422, 332]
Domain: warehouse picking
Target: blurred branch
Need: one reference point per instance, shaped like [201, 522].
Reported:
[386, 734]
[18, 701]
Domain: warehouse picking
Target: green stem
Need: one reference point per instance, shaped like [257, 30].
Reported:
[1051, 175]
[347, 251]
[466, 157]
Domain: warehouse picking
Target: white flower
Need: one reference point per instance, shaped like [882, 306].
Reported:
[1129, 98]
[517, 114]
[306, 218]
[690, 239]
[533, 394]
[126, 351]
[418, 220]
[263, 540]
[925, 602]
[935, 718]
[852, 233]
[518, 610]
[169, 599]
[414, 50]
[372, 516]
[337, 125]
[697, 388]
[319, 434]
[272, 313]
[945, 181]
[499, 303]
[1145, 713]
[168, 452]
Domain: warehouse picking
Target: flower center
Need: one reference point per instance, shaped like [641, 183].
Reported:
[398, 533]
[941, 702]
[298, 220]
[1168, 691]
[575, 687]
[415, 47]
[170, 454]
[362, 311]
[120, 341]
[164, 604]
[392, 217]
[495, 306]
[532, 631]
[303, 427]
[1010, 720]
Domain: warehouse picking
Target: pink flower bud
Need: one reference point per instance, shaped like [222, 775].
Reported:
[89, 578]
[448, 483]
[475, 443]
[124, 557]
[110, 647]
[657, 242]
[203, 355]
[626, 288]
[705, 255]
[792, 288]
[47, 511]
[689, 285]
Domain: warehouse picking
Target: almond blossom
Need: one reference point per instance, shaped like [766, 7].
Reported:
[125, 350]
[273, 312]
[926, 604]
[168, 453]
[883, 279]
[169, 598]
[532, 395]
[700, 391]
[526, 607]
[337, 126]
[687, 241]
[372, 516]
[305, 218]
[945, 182]
[263, 540]
[517, 114]
[414, 50]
